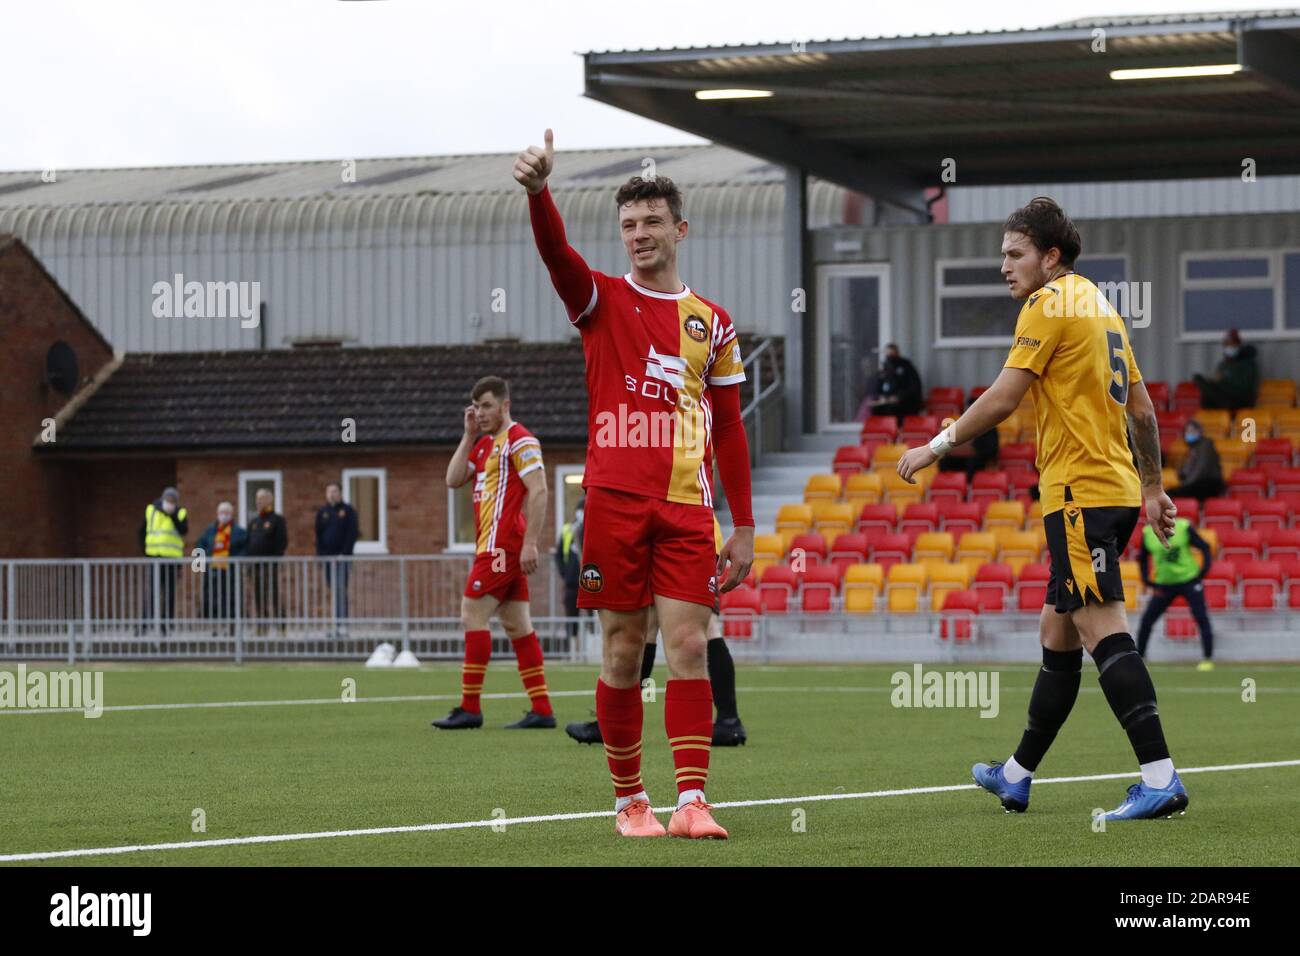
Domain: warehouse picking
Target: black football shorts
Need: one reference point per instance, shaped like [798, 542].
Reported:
[1086, 545]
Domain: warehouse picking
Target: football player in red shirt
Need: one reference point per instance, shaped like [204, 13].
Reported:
[663, 386]
[505, 462]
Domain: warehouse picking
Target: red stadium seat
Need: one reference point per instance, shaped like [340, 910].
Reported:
[1284, 480]
[880, 426]
[1261, 582]
[977, 391]
[777, 587]
[957, 618]
[920, 514]
[993, 584]
[944, 402]
[1241, 545]
[990, 486]
[1223, 514]
[739, 608]
[1190, 509]
[1274, 451]
[1219, 582]
[1282, 544]
[1248, 483]
[851, 460]
[889, 549]
[1159, 392]
[948, 486]
[820, 586]
[1292, 501]
[1021, 481]
[850, 547]
[810, 545]
[918, 428]
[1171, 425]
[1031, 586]
[1291, 572]
[1019, 456]
[1187, 397]
[1179, 623]
[882, 517]
[1266, 513]
[960, 516]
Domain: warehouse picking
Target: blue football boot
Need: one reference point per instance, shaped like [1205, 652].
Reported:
[1148, 803]
[1014, 796]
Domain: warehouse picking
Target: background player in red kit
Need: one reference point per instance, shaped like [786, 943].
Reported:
[505, 461]
[663, 386]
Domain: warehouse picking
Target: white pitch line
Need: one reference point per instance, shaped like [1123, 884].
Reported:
[519, 695]
[558, 817]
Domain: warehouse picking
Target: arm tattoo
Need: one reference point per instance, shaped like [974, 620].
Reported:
[1146, 447]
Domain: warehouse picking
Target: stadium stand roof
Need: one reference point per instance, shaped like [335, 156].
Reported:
[881, 114]
[582, 169]
[297, 398]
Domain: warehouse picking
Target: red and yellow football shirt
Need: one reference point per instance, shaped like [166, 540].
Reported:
[500, 462]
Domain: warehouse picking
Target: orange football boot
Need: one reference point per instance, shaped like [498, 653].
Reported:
[695, 822]
[637, 820]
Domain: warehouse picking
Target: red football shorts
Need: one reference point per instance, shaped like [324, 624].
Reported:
[508, 583]
[634, 547]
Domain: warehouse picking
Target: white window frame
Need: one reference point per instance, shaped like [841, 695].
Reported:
[371, 547]
[881, 272]
[561, 472]
[1275, 281]
[454, 546]
[276, 477]
[985, 292]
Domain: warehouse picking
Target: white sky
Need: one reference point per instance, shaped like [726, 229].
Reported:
[168, 82]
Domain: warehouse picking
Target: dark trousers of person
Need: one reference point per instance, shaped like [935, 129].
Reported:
[339, 586]
[266, 589]
[1214, 395]
[571, 609]
[1205, 488]
[219, 595]
[166, 594]
[1163, 595]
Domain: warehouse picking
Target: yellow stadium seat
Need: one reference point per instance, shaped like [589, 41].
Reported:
[1035, 517]
[904, 586]
[1215, 422]
[1177, 452]
[1277, 392]
[1170, 477]
[1004, 514]
[897, 489]
[862, 582]
[1233, 454]
[821, 488]
[976, 548]
[1017, 548]
[1131, 575]
[934, 547]
[1211, 538]
[835, 519]
[1009, 429]
[1286, 423]
[797, 518]
[1262, 427]
[787, 538]
[768, 546]
[945, 578]
[762, 564]
[886, 457]
[863, 489]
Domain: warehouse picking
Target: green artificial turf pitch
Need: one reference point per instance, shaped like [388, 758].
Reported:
[135, 777]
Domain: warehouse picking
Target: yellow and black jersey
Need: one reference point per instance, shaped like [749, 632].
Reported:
[1069, 336]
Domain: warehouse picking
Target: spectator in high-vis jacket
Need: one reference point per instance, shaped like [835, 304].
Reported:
[162, 536]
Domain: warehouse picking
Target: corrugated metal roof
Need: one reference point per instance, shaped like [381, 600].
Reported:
[399, 176]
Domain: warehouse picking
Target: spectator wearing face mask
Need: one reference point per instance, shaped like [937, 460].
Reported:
[162, 537]
[221, 541]
[1236, 379]
[1200, 475]
[899, 386]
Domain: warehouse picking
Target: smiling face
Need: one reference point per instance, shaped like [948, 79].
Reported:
[650, 235]
[1025, 269]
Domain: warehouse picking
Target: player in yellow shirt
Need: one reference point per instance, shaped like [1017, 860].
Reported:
[1071, 353]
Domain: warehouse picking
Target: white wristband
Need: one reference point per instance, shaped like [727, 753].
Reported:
[942, 443]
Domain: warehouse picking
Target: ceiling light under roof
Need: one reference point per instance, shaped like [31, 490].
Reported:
[731, 94]
[1176, 72]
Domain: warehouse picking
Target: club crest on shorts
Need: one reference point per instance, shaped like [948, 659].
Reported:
[591, 579]
[696, 328]
[477, 585]
[713, 584]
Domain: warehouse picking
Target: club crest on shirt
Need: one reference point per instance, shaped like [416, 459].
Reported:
[591, 579]
[696, 328]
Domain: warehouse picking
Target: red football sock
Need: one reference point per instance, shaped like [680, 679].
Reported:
[478, 650]
[688, 718]
[619, 712]
[528, 653]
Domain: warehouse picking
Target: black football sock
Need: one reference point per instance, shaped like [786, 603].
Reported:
[647, 661]
[1055, 690]
[1127, 685]
[722, 675]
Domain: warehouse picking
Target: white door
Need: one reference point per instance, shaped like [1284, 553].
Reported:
[852, 328]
